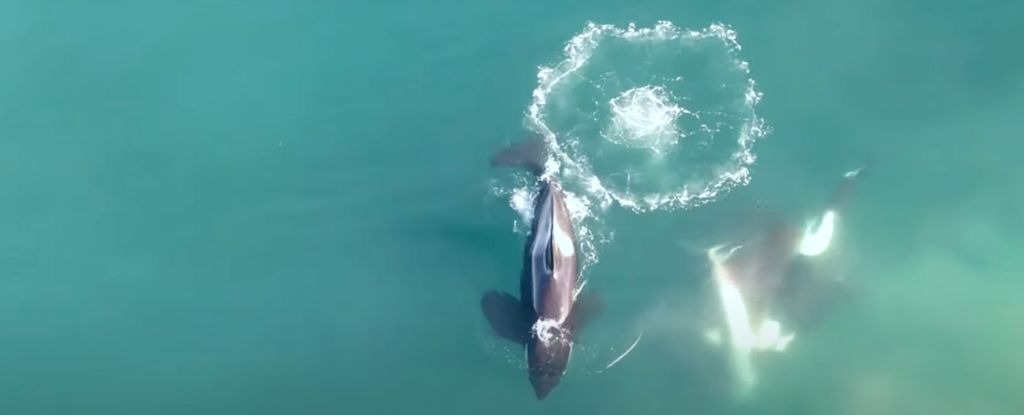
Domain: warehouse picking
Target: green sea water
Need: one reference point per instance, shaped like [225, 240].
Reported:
[272, 207]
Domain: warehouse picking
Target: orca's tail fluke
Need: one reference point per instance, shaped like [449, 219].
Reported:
[528, 154]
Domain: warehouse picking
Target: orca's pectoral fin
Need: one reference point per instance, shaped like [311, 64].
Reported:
[506, 315]
[528, 154]
[588, 307]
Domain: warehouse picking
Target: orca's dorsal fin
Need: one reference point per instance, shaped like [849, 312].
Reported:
[506, 315]
[528, 154]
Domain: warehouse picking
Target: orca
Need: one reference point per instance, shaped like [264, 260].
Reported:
[550, 310]
[760, 290]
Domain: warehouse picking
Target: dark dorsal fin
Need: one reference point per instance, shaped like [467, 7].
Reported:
[528, 154]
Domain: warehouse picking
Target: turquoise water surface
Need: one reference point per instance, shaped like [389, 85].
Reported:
[273, 207]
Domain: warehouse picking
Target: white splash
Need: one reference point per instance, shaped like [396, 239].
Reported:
[645, 117]
[521, 201]
[548, 330]
[653, 113]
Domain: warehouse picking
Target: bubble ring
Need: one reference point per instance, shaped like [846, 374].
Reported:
[578, 50]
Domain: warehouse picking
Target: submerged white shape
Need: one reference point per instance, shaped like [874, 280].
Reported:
[718, 258]
[624, 354]
[768, 334]
[737, 320]
[783, 342]
[578, 290]
[771, 337]
[816, 239]
[743, 339]
[713, 336]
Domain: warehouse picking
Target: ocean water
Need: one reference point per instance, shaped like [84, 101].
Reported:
[273, 207]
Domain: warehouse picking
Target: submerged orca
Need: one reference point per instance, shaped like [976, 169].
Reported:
[759, 287]
[547, 316]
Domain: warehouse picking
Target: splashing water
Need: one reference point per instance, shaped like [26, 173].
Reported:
[655, 118]
[649, 119]
[644, 117]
